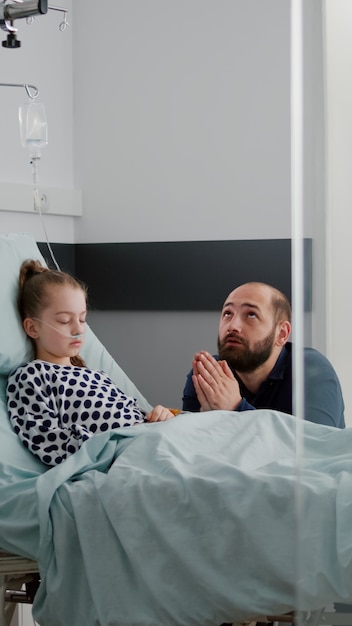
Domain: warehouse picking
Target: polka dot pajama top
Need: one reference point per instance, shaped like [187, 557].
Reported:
[55, 408]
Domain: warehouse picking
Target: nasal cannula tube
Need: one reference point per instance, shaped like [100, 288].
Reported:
[61, 332]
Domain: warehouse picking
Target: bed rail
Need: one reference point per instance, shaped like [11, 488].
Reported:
[19, 580]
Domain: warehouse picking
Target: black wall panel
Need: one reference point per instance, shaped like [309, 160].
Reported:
[177, 276]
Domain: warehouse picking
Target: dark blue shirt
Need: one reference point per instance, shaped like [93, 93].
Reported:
[323, 399]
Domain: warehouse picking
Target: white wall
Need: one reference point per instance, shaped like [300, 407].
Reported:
[314, 208]
[181, 130]
[338, 25]
[45, 60]
[182, 119]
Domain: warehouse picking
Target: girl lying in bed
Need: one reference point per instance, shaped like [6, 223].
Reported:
[55, 402]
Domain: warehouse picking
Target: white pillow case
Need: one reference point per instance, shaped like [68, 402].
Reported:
[15, 348]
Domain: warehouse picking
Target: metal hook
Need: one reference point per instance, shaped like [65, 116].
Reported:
[32, 90]
[28, 90]
[63, 25]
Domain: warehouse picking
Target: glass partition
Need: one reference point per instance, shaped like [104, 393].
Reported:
[321, 151]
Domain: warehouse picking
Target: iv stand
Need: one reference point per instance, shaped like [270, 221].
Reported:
[11, 10]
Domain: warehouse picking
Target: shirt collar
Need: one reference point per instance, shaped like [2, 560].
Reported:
[277, 373]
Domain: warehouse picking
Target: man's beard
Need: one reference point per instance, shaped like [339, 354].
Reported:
[241, 358]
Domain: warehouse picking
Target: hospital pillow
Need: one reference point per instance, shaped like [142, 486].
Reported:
[15, 348]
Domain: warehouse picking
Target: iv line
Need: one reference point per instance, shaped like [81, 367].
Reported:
[37, 207]
[32, 92]
[33, 130]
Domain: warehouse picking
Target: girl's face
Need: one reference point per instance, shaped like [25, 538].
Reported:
[56, 326]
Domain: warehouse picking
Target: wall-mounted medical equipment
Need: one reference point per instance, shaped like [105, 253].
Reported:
[34, 137]
[11, 10]
[33, 132]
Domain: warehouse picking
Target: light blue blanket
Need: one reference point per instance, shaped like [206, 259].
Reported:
[193, 522]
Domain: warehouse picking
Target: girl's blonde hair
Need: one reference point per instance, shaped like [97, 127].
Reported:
[33, 293]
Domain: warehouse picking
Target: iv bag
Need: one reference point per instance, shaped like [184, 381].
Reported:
[33, 127]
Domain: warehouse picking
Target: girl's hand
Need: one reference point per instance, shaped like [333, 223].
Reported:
[159, 414]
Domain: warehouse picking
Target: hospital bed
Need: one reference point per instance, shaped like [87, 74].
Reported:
[146, 527]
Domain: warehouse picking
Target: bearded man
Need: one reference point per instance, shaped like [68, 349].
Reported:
[253, 368]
